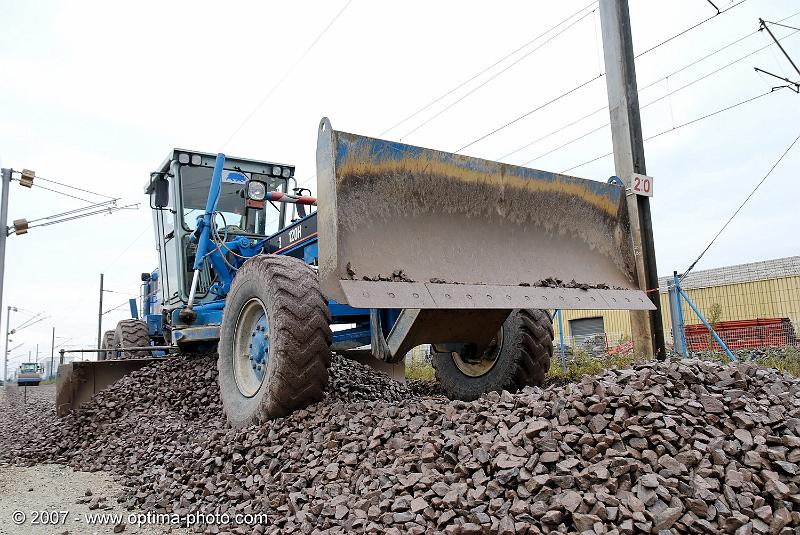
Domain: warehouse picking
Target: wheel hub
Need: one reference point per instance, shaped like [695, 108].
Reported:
[474, 365]
[251, 347]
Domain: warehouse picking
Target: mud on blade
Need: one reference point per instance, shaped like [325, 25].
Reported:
[407, 227]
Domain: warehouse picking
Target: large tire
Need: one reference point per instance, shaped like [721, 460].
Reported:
[107, 343]
[274, 347]
[131, 333]
[522, 359]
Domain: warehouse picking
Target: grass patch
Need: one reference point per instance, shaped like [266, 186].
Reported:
[785, 359]
[582, 364]
[419, 371]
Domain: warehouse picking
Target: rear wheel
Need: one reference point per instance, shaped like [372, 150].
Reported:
[274, 347]
[131, 333]
[518, 356]
[107, 343]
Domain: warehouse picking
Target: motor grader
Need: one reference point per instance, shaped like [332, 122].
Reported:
[408, 246]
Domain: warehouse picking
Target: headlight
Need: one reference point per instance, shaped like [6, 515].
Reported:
[287, 172]
[196, 159]
[276, 170]
[256, 191]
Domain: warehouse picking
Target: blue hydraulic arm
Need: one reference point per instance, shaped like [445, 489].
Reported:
[204, 239]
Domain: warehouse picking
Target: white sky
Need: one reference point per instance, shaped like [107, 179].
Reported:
[95, 94]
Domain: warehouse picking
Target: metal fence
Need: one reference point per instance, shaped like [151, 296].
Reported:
[746, 334]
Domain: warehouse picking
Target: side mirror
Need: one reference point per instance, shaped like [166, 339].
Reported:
[160, 192]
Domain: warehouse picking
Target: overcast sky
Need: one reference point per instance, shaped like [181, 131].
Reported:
[95, 94]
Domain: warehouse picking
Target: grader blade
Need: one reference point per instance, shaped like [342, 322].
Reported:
[408, 227]
[78, 381]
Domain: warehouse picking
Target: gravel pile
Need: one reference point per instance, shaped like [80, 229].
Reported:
[684, 447]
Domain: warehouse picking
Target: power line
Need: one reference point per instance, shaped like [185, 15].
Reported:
[659, 99]
[116, 292]
[62, 193]
[741, 206]
[107, 210]
[526, 114]
[603, 108]
[476, 75]
[751, 99]
[116, 308]
[30, 323]
[285, 76]
[724, 47]
[690, 28]
[783, 25]
[576, 121]
[72, 187]
[495, 75]
[107, 204]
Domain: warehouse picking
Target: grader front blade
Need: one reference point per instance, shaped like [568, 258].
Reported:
[408, 227]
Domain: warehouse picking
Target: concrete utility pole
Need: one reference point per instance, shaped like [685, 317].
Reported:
[100, 314]
[626, 135]
[52, 353]
[5, 177]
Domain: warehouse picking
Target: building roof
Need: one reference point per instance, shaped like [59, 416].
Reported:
[754, 271]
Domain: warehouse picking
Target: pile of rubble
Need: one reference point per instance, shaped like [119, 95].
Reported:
[686, 447]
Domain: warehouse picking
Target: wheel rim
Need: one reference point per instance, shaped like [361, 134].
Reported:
[486, 362]
[251, 347]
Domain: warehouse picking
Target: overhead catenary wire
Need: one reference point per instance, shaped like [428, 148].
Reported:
[120, 293]
[107, 210]
[707, 116]
[528, 113]
[484, 70]
[284, 77]
[62, 193]
[116, 307]
[593, 79]
[474, 77]
[494, 76]
[570, 91]
[26, 325]
[51, 181]
[690, 28]
[643, 88]
[27, 321]
[739, 209]
[659, 99]
[783, 25]
[75, 211]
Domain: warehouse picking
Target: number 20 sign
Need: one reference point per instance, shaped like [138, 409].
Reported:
[642, 185]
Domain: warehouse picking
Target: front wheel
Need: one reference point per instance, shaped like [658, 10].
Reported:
[274, 347]
[518, 356]
[131, 333]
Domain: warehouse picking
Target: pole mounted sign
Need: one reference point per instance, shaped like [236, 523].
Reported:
[641, 185]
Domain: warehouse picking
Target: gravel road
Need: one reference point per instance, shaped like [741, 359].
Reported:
[54, 498]
[673, 447]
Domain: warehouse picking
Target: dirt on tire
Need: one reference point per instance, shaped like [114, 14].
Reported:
[131, 333]
[523, 359]
[107, 343]
[296, 373]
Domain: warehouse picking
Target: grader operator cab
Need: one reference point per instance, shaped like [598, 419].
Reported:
[409, 246]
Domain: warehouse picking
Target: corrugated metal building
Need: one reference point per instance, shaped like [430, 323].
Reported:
[767, 289]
